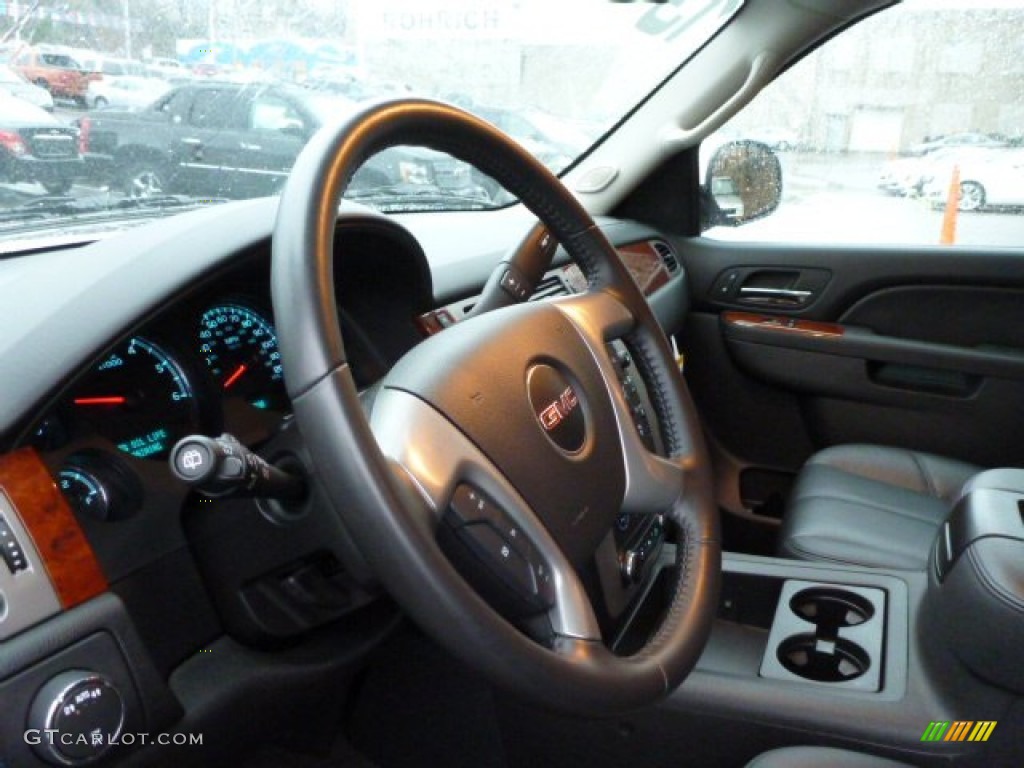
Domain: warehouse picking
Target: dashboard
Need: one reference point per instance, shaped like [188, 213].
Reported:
[170, 332]
[209, 361]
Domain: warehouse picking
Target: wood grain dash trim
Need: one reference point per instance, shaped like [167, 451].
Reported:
[65, 552]
[644, 264]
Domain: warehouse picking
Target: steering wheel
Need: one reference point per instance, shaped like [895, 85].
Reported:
[507, 436]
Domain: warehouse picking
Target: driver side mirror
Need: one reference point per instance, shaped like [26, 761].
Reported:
[743, 183]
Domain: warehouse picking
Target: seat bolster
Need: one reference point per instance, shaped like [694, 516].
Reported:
[820, 757]
[870, 505]
[855, 535]
[924, 473]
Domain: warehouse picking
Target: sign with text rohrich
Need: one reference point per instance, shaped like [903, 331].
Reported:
[412, 19]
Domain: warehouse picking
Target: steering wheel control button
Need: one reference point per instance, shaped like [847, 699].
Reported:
[515, 285]
[80, 715]
[557, 407]
[635, 561]
[494, 547]
[631, 390]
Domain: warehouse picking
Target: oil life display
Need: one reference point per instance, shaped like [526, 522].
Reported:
[139, 398]
[240, 347]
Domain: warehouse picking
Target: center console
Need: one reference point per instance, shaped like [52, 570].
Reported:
[920, 665]
[840, 655]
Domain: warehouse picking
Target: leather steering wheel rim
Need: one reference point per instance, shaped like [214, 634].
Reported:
[382, 505]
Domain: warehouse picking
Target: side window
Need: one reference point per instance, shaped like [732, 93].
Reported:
[906, 128]
[57, 60]
[273, 114]
[213, 108]
[174, 103]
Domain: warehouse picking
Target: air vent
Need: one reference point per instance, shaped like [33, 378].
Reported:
[668, 258]
[550, 286]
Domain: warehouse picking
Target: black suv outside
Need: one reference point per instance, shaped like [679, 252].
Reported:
[235, 140]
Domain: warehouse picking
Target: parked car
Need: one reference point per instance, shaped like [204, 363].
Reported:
[125, 92]
[111, 67]
[168, 68]
[903, 175]
[56, 70]
[987, 178]
[966, 139]
[35, 147]
[17, 85]
[228, 139]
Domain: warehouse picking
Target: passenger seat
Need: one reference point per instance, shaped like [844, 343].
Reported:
[871, 505]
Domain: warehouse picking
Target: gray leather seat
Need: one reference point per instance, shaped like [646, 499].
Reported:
[820, 757]
[870, 505]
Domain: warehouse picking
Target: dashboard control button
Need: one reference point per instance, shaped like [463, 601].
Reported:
[194, 461]
[11, 551]
[222, 466]
[100, 485]
[79, 716]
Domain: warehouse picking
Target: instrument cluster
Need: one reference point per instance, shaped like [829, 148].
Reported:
[208, 366]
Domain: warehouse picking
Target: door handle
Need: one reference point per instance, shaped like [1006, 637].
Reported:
[249, 147]
[190, 141]
[777, 296]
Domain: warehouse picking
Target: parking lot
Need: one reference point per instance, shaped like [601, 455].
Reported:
[826, 198]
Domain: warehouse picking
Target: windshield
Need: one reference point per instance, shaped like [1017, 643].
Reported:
[233, 90]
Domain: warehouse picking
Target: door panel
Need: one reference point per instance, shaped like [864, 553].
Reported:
[920, 348]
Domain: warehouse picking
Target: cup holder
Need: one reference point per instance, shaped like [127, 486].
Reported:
[827, 634]
[821, 660]
[831, 609]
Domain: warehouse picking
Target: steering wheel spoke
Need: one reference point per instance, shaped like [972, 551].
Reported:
[653, 483]
[473, 503]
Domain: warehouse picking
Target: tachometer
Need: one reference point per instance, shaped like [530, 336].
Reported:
[139, 398]
[240, 347]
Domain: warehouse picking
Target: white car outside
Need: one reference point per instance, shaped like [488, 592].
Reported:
[988, 177]
[14, 83]
[127, 92]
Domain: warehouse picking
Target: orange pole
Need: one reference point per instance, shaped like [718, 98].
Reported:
[948, 236]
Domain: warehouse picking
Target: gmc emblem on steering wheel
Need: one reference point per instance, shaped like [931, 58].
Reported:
[555, 413]
[557, 408]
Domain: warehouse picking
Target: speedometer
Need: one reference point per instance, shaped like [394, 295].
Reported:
[240, 347]
[139, 398]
